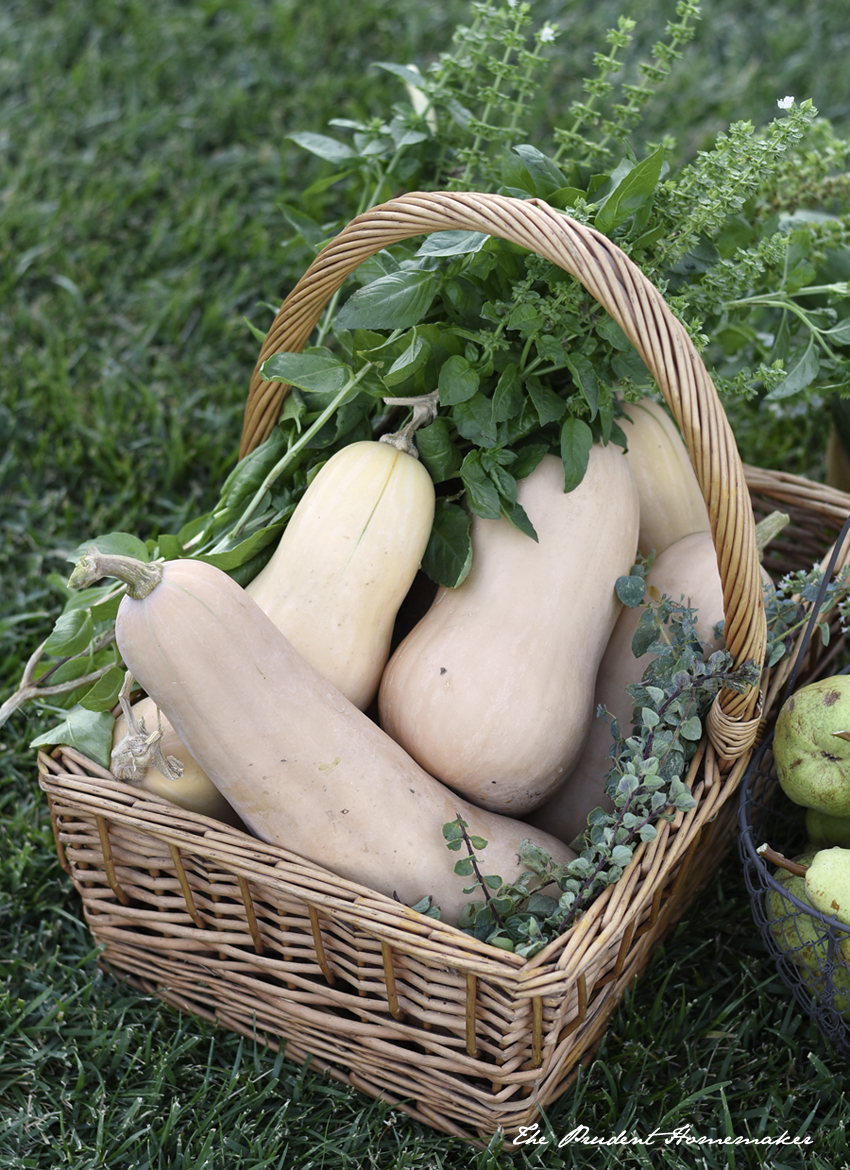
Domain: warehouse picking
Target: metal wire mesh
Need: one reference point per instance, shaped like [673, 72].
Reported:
[811, 950]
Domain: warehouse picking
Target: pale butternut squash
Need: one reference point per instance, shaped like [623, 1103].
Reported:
[671, 501]
[302, 766]
[685, 570]
[346, 560]
[333, 585]
[492, 691]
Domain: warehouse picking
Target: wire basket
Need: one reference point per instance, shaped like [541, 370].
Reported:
[466, 1038]
[811, 950]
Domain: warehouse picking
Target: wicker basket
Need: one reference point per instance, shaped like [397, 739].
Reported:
[466, 1038]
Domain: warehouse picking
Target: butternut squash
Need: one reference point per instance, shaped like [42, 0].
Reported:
[302, 766]
[686, 569]
[492, 691]
[333, 585]
[671, 501]
[346, 560]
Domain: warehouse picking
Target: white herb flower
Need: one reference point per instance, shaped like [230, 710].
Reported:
[547, 34]
[785, 103]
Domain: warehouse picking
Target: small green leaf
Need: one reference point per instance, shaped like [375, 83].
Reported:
[481, 494]
[409, 362]
[103, 695]
[122, 544]
[691, 728]
[317, 370]
[325, 147]
[518, 516]
[457, 381]
[90, 732]
[631, 193]
[649, 718]
[576, 442]
[474, 420]
[453, 243]
[71, 633]
[508, 396]
[631, 590]
[440, 455]
[464, 867]
[448, 555]
[398, 300]
[550, 406]
[585, 379]
[801, 373]
[527, 458]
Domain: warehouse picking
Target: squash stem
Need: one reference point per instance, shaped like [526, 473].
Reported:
[424, 412]
[140, 577]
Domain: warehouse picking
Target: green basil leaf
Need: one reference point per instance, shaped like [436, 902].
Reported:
[398, 300]
[448, 555]
[576, 441]
[409, 362]
[317, 370]
[631, 193]
[474, 420]
[438, 452]
[310, 231]
[230, 559]
[482, 495]
[527, 459]
[518, 516]
[457, 382]
[547, 175]
[801, 373]
[508, 396]
[169, 547]
[550, 407]
[585, 379]
[453, 243]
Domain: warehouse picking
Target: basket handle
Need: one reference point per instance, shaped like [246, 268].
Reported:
[640, 310]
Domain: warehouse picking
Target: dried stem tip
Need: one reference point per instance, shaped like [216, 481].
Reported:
[139, 577]
[781, 860]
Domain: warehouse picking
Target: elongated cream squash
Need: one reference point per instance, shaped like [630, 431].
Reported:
[302, 766]
[492, 691]
[671, 502]
[333, 585]
[685, 570]
[346, 560]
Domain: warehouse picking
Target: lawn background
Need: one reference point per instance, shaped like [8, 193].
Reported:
[143, 167]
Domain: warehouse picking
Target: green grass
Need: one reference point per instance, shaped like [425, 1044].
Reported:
[143, 164]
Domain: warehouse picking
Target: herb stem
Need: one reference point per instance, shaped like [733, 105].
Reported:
[297, 447]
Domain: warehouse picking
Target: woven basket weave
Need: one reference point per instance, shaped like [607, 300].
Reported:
[465, 1037]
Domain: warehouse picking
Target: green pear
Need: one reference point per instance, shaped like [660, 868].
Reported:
[828, 885]
[824, 829]
[804, 938]
[811, 746]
